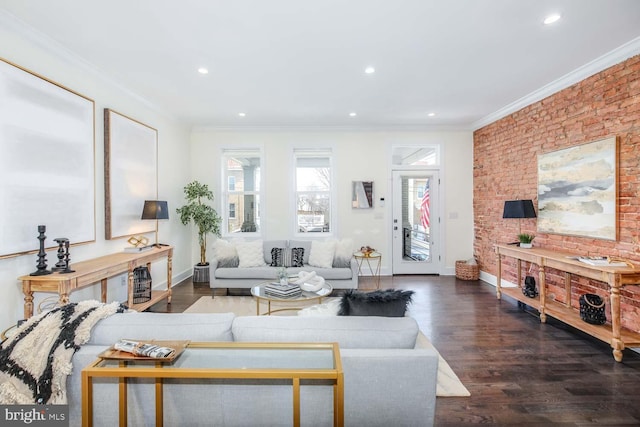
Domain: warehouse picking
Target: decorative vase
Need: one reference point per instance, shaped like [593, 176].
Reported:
[526, 245]
[283, 281]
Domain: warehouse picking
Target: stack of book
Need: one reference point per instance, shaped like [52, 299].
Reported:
[282, 291]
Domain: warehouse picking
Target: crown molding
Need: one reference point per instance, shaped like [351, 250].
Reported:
[329, 128]
[601, 63]
[46, 43]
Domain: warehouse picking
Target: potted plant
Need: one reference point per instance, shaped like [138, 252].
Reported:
[203, 216]
[525, 240]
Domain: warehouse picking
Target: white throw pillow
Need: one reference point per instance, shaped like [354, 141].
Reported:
[321, 255]
[223, 249]
[344, 252]
[329, 308]
[225, 253]
[250, 254]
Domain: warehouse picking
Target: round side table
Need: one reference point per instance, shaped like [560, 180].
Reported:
[373, 260]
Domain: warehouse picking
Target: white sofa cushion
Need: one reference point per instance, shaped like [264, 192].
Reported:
[322, 253]
[175, 326]
[225, 253]
[349, 332]
[343, 253]
[250, 254]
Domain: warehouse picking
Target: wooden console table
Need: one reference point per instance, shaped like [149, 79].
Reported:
[96, 270]
[615, 277]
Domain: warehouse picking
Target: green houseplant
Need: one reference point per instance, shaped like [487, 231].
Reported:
[525, 240]
[201, 214]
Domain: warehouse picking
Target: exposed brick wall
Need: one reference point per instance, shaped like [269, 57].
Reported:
[505, 168]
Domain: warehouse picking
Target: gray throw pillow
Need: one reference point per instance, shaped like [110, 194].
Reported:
[387, 303]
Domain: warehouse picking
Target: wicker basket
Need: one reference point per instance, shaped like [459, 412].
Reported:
[466, 271]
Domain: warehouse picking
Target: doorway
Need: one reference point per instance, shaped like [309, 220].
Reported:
[416, 222]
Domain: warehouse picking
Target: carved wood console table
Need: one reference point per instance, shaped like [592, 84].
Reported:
[96, 270]
[615, 277]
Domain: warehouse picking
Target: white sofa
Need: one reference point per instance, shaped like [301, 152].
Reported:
[389, 380]
[341, 275]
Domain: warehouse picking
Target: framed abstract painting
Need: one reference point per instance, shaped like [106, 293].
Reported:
[131, 174]
[578, 190]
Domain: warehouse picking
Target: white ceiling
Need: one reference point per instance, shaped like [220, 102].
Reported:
[298, 63]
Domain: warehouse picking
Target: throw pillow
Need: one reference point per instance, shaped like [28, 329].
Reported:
[250, 254]
[277, 257]
[297, 257]
[321, 255]
[387, 303]
[225, 253]
[329, 308]
[343, 254]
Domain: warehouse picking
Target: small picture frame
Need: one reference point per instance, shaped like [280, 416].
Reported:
[362, 195]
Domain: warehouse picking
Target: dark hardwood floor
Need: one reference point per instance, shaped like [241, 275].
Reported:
[518, 370]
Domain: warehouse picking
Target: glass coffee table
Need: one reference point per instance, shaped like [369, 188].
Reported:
[302, 364]
[290, 303]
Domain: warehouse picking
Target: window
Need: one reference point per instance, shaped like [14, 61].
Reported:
[414, 155]
[242, 171]
[313, 191]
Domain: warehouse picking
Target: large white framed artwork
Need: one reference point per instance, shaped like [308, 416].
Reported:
[131, 177]
[47, 148]
[578, 190]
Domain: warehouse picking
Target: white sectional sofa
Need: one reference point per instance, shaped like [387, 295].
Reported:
[389, 379]
[228, 272]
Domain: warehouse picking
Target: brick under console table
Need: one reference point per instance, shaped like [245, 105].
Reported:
[615, 277]
[90, 272]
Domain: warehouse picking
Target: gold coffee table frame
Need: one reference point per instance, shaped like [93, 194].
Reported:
[258, 292]
[160, 370]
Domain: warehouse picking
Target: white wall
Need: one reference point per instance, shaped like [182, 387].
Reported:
[359, 156]
[42, 56]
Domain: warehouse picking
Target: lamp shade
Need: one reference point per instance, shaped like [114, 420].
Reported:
[155, 209]
[518, 209]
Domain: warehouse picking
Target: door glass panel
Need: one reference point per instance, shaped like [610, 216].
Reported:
[416, 219]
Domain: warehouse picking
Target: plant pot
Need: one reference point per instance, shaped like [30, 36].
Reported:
[526, 245]
[200, 273]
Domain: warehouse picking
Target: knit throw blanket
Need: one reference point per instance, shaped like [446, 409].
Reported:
[35, 362]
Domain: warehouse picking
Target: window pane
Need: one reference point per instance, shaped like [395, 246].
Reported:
[313, 178]
[313, 191]
[314, 212]
[416, 156]
[242, 170]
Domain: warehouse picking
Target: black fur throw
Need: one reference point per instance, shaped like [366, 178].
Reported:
[387, 303]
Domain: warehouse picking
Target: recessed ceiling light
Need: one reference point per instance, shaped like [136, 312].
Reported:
[369, 70]
[551, 19]
[431, 114]
[353, 114]
[203, 70]
[242, 114]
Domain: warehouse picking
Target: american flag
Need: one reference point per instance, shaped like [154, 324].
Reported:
[424, 207]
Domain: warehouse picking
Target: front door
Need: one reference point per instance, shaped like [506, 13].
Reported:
[416, 222]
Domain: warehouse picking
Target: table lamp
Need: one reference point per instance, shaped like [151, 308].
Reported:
[155, 209]
[518, 209]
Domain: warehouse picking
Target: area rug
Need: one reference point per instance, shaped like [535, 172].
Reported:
[449, 384]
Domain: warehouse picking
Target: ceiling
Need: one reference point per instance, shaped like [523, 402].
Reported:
[300, 63]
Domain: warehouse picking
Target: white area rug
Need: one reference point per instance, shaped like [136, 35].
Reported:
[449, 384]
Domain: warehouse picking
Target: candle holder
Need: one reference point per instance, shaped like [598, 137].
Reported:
[61, 264]
[42, 255]
[67, 269]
